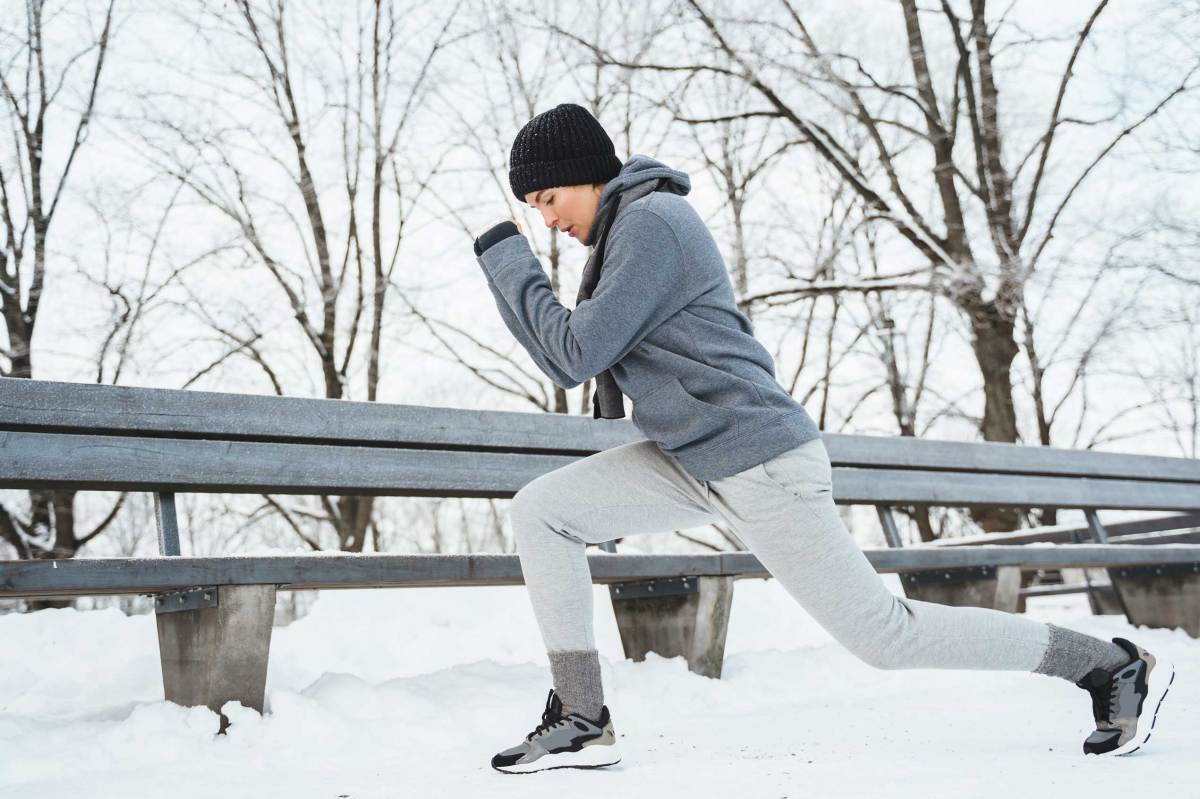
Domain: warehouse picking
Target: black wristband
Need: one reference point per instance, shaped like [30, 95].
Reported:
[496, 234]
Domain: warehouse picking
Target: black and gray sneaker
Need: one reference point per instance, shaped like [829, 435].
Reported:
[569, 741]
[1126, 701]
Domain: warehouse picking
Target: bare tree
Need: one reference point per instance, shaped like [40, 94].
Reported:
[513, 82]
[1176, 386]
[333, 280]
[31, 92]
[37, 83]
[736, 152]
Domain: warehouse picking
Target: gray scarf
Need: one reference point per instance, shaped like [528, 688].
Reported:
[607, 401]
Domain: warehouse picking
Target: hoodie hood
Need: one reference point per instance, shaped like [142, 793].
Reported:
[638, 169]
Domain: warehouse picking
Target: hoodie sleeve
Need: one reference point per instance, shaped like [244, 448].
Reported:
[643, 283]
[535, 352]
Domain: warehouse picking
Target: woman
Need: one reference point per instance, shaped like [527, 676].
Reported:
[724, 442]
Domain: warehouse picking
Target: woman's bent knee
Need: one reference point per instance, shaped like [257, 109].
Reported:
[532, 501]
[532, 515]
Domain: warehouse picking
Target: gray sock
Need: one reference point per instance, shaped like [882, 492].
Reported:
[1071, 655]
[576, 674]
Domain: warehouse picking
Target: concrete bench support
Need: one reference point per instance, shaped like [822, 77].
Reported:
[214, 643]
[686, 616]
[1167, 595]
[998, 588]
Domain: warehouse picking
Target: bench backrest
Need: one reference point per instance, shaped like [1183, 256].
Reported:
[84, 436]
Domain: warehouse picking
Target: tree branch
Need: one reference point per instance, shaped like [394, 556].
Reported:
[1048, 137]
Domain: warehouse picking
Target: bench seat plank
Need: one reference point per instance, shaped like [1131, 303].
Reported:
[1183, 524]
[92, 576]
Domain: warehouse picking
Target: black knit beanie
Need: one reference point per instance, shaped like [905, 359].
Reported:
[565, 146]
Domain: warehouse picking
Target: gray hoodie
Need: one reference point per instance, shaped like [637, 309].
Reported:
[664, 320]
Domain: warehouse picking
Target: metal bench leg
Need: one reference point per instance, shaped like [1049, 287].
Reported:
[214, 643]
[976, 586]
[1099, 602]
[890, 532]
[1102, 597]
[686, 616]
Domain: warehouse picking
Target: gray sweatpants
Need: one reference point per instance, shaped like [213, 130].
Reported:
[783, 511]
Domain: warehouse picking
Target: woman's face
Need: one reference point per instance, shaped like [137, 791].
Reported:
[571, 209]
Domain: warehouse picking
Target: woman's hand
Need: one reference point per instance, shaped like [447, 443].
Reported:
[520, 229]
[497, 233]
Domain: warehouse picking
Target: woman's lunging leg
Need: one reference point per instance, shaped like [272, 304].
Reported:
[784, 511]
[625, 490]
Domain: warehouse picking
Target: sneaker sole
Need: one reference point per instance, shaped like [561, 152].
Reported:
[597, 756]
[1162, 676]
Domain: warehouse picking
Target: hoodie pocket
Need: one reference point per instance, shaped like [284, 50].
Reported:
[671, 416]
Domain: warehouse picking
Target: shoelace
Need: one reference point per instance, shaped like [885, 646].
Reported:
[1102, 701]
[550, 719]
[543, 727]
[1105, 697]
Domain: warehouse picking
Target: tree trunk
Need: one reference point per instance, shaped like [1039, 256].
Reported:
[995, 348]
[355, 513]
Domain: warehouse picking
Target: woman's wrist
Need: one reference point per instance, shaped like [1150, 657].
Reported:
[494, 235]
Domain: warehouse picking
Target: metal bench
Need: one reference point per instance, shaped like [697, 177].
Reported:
[214, 613]
[1164, 595]
[1103, 597]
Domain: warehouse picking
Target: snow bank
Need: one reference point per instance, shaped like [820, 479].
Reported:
[408, 692]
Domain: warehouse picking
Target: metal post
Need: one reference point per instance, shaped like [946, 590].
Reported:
[1098, 532]
[1100, 535]
[168, 525]
[1093, 597]
[889, 527]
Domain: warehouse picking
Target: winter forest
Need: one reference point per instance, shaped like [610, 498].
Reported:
[956, 220]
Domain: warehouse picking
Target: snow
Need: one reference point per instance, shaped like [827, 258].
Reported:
[408, 692]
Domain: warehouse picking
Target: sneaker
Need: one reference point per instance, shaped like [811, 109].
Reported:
[1126, 701]
[569, 741]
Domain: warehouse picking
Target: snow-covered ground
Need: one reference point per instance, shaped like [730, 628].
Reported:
[408, 693]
